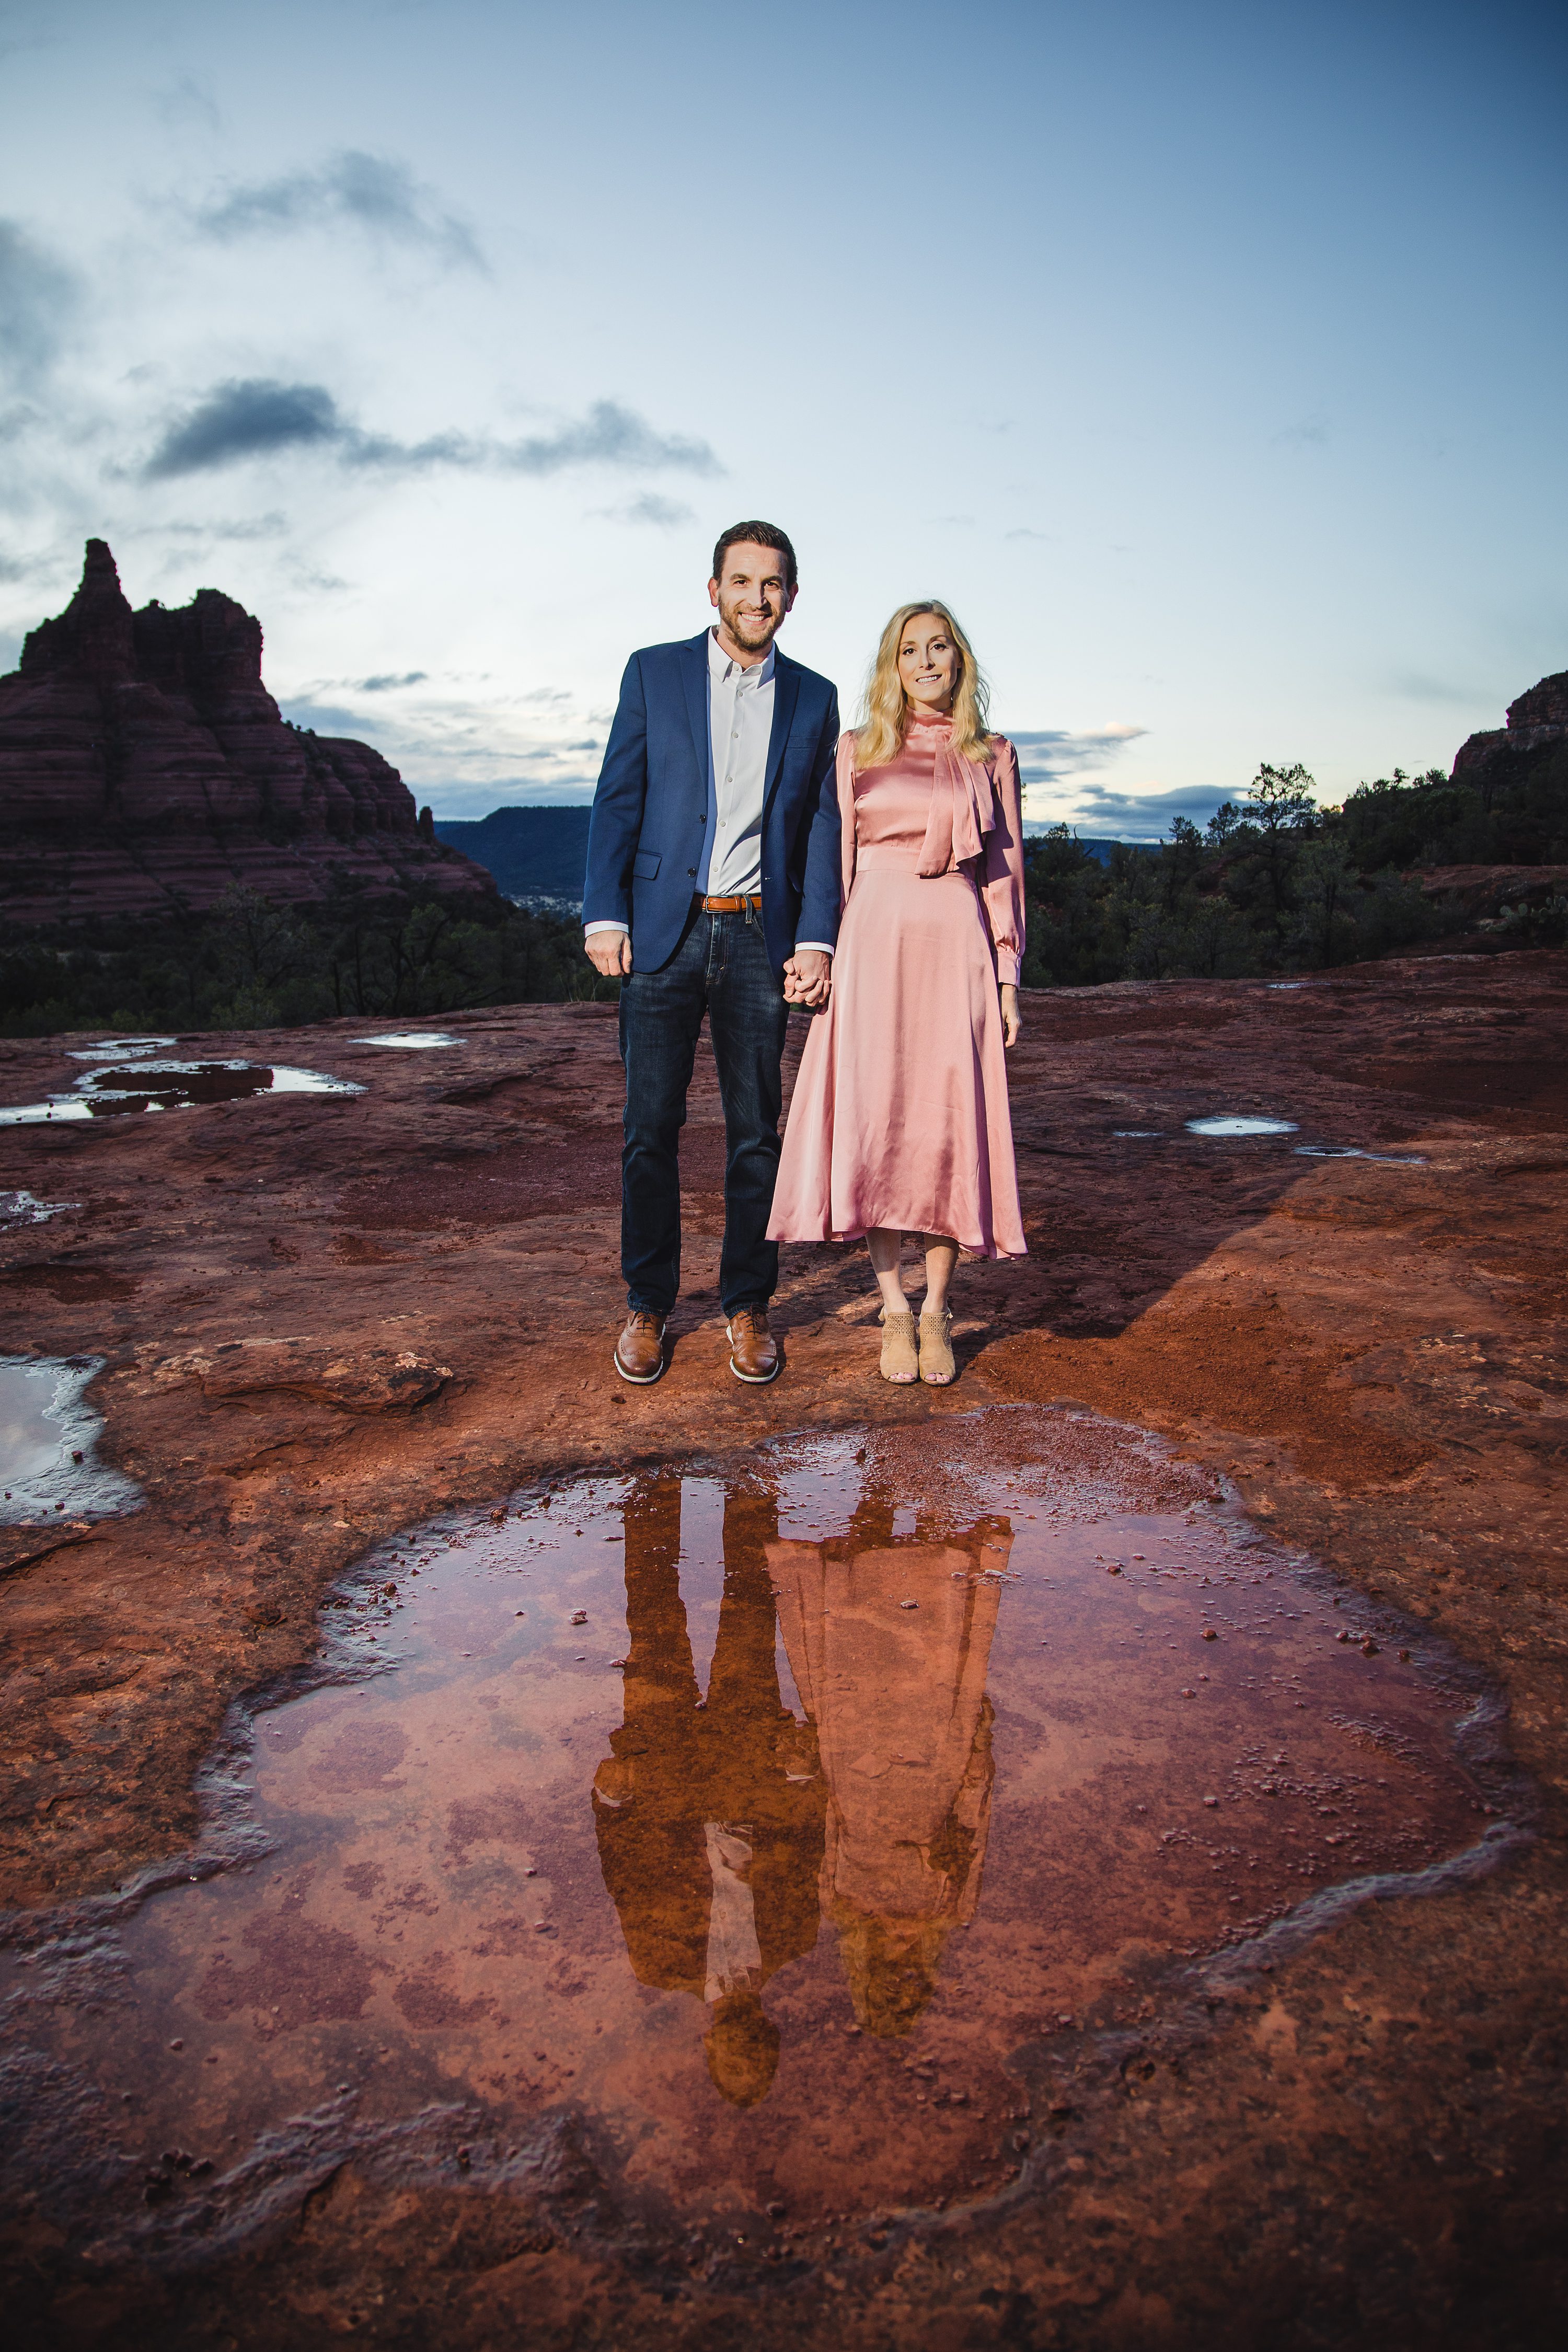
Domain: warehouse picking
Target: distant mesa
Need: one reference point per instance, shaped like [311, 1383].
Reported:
[144, 769]
[538, 855]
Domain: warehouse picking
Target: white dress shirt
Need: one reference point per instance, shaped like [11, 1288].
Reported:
[740, 726]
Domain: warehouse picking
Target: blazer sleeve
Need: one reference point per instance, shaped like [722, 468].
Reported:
[1002, 880]
[820, 898]
[614, 825]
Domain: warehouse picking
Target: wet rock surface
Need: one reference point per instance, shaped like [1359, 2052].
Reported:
[1354, 2139]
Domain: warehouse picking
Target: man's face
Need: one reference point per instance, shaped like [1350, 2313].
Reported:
[750, 596]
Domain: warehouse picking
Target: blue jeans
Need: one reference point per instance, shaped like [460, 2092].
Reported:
[720, 968]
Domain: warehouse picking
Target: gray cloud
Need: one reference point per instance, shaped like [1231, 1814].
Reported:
[259, 417]
[608, 435]
[369, 192]
[663, 514]
[1144, 817]
[1046, 753]
[255, 418]
[388, 680]
[325, 718]
[1415, 686]
[267, 526]
[17, 568]
[1307, 433]
[38, 297]
[185, 103]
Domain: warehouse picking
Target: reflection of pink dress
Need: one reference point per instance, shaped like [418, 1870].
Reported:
[900, 1116]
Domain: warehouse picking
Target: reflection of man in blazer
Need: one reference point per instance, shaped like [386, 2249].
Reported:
[709, 1816]
[713, 887]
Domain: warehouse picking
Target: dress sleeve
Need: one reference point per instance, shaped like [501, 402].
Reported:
[844, 766]
[1002, 867]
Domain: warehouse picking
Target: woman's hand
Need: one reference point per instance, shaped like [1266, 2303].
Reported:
[1011, 1025]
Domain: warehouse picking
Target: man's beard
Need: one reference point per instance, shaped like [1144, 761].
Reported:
[747, 630]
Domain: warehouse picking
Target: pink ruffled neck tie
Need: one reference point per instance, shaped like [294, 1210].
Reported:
[963, 812]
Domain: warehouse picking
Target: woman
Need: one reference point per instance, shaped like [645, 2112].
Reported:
[903, 1728]
[899, 1121]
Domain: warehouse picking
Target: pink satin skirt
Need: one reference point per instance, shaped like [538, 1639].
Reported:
[900, 1116]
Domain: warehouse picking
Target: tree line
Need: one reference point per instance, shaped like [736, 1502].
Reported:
[1274, 883]
[249, 963]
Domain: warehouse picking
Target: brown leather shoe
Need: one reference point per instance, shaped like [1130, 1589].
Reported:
[639, 1351]
[753, 1351]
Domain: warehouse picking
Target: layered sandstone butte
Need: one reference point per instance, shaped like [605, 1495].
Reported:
[144, 769]
[1537, 722]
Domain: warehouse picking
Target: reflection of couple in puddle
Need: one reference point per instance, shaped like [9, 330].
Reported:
[727, 1829]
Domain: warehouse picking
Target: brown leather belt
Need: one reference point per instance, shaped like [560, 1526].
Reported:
[729, 905]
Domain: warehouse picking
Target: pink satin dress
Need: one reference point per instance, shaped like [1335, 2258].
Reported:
[900, 1116]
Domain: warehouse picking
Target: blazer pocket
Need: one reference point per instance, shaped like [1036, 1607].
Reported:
[645, 865]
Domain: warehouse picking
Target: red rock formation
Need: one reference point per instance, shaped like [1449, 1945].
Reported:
[144, 767]
[1536, 718]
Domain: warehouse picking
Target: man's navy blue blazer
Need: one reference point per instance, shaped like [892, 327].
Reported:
[654, 807]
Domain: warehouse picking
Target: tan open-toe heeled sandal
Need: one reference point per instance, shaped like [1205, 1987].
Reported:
[900, 1360]
[937, 1365]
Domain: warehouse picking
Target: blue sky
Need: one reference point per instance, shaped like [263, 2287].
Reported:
[1208, 360]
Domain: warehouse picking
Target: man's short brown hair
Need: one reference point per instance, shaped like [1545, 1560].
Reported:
[757, 534]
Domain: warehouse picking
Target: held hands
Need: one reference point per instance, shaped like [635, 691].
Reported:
[1011, 1025]
[609, 952]
[808, 978]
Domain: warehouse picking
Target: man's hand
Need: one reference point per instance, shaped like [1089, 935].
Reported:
[808, 977]
[609, 952]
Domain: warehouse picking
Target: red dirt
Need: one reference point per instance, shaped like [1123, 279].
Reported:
[324, 1318]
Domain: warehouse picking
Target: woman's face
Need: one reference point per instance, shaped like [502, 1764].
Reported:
[929, 663]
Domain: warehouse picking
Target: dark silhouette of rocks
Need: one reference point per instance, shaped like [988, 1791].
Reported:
[144, 767]
[1537, 722]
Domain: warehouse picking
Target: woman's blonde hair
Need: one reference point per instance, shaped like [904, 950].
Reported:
[884, 713]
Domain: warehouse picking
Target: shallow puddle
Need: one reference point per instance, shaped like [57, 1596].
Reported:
[413, 1039]
[121, 1049]
[1352, 1152]
[141, 1086]
[46, 1438]
[756, 1821]
[1227, 1126]
[25, 1209]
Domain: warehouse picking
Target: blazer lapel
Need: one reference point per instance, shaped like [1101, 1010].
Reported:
[786, 692]
[694, 678]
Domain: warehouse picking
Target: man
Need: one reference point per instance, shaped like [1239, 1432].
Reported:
[709, 1809]
[713, 887]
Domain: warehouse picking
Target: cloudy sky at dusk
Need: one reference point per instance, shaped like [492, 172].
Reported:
[1209, 360]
